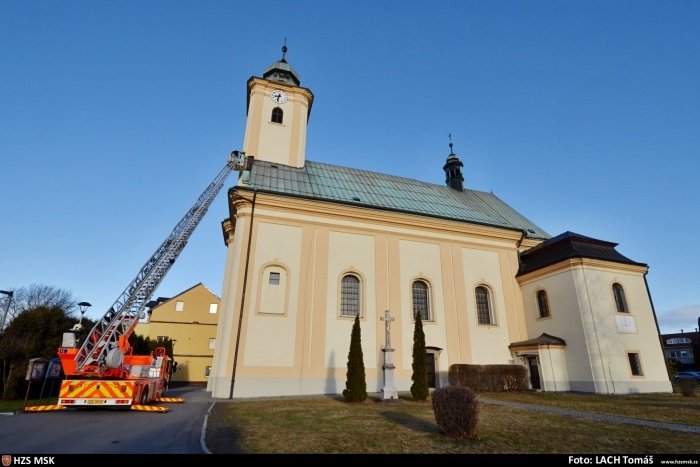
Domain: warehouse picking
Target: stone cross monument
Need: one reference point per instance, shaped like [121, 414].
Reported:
[389, 390]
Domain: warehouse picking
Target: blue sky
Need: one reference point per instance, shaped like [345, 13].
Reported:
[114, 116]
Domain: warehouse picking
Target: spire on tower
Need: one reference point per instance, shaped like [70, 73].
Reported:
[284, 51]
[453, 169]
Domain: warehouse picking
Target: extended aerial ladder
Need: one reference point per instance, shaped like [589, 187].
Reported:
[105, 354]
[101, 352]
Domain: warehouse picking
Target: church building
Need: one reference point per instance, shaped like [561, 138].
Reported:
[311, 245]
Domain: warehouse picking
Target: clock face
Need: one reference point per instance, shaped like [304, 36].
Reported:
[278, 96]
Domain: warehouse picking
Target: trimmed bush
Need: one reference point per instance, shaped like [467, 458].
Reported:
[456, 411]
[492, 378]
[419, 388]
[355, 386]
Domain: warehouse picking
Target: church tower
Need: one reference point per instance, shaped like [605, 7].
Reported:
[278, 112]
[453, 170]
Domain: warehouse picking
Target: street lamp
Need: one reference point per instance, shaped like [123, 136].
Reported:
[7, 308]
[83, 308]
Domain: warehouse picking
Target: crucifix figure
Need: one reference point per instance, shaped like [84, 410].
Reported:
[387, 318]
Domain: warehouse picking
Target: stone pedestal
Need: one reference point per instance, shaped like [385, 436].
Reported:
[389, 390]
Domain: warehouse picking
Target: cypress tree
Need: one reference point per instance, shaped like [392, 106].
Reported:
[355, 387]
[419, 388]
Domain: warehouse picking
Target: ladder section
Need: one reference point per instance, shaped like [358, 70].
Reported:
[97, 354]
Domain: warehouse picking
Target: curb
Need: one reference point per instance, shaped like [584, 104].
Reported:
[6, 413]
[202, 437]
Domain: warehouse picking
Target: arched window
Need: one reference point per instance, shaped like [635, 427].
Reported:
[421, 300]
[542, 304]
[620, 301]
[350, 296]
[277, 115]
[484, 310]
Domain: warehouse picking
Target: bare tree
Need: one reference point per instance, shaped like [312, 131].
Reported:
[35, 296]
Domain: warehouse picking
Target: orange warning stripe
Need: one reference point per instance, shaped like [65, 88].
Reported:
[44, 408]
[97, 389]
[172, 400]
[149, 408]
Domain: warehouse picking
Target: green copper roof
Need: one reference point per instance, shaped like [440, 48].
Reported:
[333, 183]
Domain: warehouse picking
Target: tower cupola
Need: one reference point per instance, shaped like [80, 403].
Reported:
[281, 71]
[453, 170]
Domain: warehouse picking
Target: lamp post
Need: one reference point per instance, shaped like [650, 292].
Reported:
[7, 308]
[83, 308]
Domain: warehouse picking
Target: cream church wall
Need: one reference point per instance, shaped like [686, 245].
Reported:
[488, 343]
[609, 360]
[351, 253]
[421, 260]
[220, 379]
[583, 311]
[564, 321]
[307, 354]
[278, 245]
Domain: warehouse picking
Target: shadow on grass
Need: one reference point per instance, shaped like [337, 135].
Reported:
[410, 421]
[222, 438]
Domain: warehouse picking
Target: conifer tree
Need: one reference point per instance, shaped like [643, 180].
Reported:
[419, 388]
[356, 386]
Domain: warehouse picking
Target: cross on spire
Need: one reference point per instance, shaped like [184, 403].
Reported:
[284, 50]
[449, 135]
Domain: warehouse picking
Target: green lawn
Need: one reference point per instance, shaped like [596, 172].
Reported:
[328, 425]
[13, 406]
[672, 408]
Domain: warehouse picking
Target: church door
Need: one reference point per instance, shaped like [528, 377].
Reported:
[430, 363]
[534, 372]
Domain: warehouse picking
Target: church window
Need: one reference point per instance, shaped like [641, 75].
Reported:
[635, 364]
[543, 304]
[421, 300]
[179, 305]
[277, 115]
[350, 296]
[484, 310]
[212, 343]
[273, 290]
[620, 301]
[213, 308]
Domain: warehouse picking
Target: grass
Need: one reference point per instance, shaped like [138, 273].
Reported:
[673, 408]
[328, 425]
[15, 405]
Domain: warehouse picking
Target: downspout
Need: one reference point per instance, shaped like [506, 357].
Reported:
[522, 237]
[656, 321]
[245, 284]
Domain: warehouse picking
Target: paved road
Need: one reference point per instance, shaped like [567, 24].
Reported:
[107, 431]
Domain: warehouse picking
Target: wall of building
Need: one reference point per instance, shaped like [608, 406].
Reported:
[564, 321]
[191, 329]
[285, 142]
[304, 351]
[583, 312]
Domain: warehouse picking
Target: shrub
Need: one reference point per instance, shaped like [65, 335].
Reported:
[456, 411]
[687, 386]
[355, 386]
[489, 377]
[419, 388]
